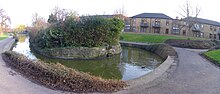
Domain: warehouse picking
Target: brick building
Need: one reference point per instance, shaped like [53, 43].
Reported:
[163, 24]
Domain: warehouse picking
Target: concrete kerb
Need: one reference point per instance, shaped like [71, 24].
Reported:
[165, 67]
[154, 74]
[9, 45]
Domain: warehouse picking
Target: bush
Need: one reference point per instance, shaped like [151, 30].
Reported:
[83, 32]
[57, 76]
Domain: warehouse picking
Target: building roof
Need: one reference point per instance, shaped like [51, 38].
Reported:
[105, 16]
[206, 21]
[152, 15]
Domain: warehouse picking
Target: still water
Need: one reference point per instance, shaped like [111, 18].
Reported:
[131, 63]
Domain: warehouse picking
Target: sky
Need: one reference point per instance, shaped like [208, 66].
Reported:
[21, 11]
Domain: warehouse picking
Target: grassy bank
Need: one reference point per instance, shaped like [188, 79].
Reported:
[3, 36]
[150, 38]
[213, 55]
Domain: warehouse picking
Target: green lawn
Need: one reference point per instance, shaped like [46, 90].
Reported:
[215, 55]
[3, 36]
[149, 38]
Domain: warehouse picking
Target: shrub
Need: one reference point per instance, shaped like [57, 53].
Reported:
[57, 76]
[83, 32]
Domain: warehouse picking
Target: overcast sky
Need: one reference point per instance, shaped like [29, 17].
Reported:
[21, 11]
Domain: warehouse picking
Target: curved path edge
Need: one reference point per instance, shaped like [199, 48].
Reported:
[168, 66]
[193, 75]
[163, 69]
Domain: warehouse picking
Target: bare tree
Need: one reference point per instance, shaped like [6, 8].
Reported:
[38, 22]
[120, 13]
[5, 21]
[189, 14]
[59, 15]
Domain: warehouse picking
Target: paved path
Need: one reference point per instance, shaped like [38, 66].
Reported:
[193, 75]
[13, 83]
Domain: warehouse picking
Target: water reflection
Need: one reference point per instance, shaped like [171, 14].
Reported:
[130, 64]
[22, 46]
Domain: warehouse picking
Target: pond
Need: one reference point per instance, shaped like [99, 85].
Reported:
[131, 63]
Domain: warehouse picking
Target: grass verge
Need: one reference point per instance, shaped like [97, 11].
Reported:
[57, 76]
[4, 36]
[151, 38]
[213, 56]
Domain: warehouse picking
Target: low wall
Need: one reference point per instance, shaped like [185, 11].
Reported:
[9, 46]
[194, 44]
[162, 50]
[168, 66]
[78, 52]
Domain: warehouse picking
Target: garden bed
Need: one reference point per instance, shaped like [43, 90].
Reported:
[57, 76]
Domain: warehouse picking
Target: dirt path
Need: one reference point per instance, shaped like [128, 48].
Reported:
[193, 75]
[13, 83]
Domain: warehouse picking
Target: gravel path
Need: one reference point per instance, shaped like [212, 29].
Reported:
[13, 83]
[193, 75]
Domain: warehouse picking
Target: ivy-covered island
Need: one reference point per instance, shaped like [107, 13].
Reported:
[73, 37]
[67, 36]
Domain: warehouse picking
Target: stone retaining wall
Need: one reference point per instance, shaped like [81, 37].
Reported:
[194, 44]
[162, 50]
[78, 52]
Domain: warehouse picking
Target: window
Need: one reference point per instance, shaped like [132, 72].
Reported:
[134, 29]
[157, 30]
[176, 31]
[167, 31]
[184, 23]
[167, 22]
[196, 25]
[202, 34]
[143, 29]
[198, 34]
[134, 22]
[134, 19]
[210, 35]
[175, 26]
[202, 26]
[143, 20]
[214, 36]
[215, 29]
[157, 22]
[184, 32]
[211, 28]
